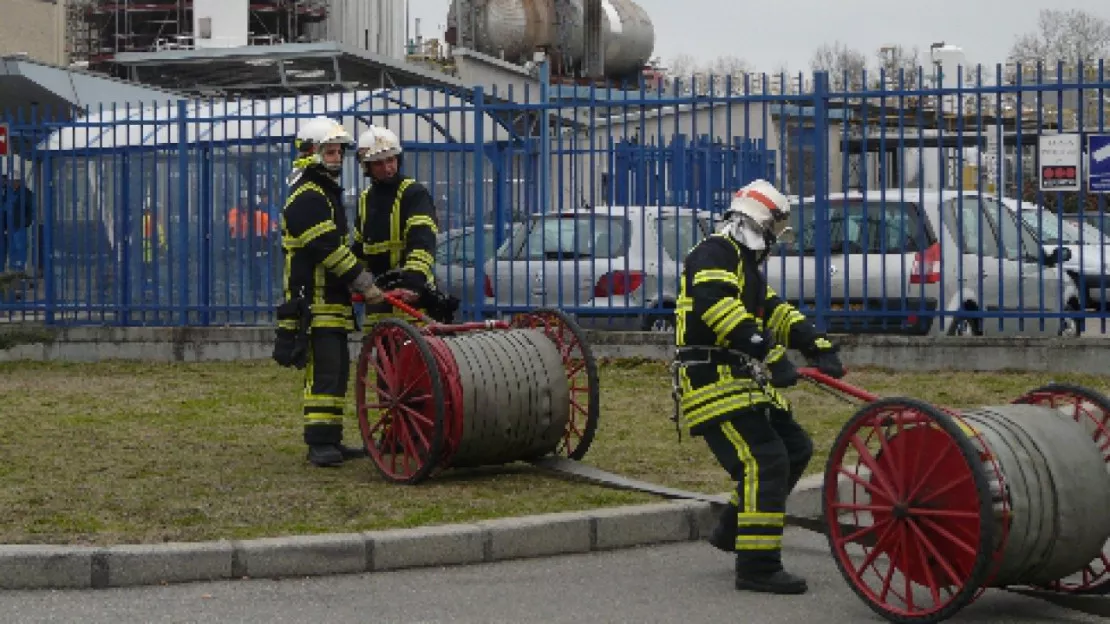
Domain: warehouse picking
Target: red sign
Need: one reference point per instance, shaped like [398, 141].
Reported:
[3, 139]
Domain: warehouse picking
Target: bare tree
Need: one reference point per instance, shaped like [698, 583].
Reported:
[682, 66]
[719, 73]
[845, 65]
[728, 74]
[900, 66]
[1063, 35]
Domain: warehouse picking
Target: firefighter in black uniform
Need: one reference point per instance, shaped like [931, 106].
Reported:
[395, 229]
[320, 273]
[727, 320]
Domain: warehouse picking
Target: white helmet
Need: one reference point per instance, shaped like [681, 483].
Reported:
[377, 143]
[758, 216]
[315, 133]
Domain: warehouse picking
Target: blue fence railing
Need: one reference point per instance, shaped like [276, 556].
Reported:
[973, 207]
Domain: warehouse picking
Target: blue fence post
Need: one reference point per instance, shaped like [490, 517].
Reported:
[821, 194]
[545, 137]
[126, 241]
[47, 241]
[478, 153]
[206, 217]
[182, 242]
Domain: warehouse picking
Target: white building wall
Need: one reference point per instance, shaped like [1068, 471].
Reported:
[377, 26]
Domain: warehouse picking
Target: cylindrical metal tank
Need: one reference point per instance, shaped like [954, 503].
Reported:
[629, 37]
[514, 29]
[377, 26]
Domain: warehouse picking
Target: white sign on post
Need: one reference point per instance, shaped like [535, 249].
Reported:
[1059, 158]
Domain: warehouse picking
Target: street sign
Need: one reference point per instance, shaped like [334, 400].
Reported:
[1098, 171]
[1059, 160]
[3, 139]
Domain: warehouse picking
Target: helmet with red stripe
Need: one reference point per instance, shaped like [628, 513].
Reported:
[758, 216]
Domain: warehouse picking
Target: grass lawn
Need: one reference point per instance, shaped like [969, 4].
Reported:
[129, 452]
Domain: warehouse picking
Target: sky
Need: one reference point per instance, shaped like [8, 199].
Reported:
[772, 34]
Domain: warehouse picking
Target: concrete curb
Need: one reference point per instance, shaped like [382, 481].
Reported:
[210, 344]
[90, 567]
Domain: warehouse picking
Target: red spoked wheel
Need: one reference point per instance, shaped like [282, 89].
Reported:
[581, 369]
[908, 504]
[1092, 410]
[400, 399]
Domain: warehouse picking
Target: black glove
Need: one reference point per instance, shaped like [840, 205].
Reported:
[783, 373]
[824, 357]
[758, 346]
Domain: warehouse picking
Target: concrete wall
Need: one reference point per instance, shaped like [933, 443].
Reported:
[89, 344]
[30, 26]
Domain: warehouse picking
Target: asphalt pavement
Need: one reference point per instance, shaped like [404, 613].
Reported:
[686, 582]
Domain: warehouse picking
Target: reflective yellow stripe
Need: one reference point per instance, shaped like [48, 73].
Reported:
[758, 542]
[309, 235]
[322, 400]
[723, 317]
[751, 468]
[314, 404]
[782, 320]
[716, 275]
[395, 223]
[777, 353]
[417, 221]
[340, 261]
[723, 407]
[760, 519]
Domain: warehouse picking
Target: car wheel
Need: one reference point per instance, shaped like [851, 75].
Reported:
[1072, 327]
[965, 326]
[658, 323]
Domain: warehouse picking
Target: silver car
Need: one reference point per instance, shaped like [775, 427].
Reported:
[457, 260]
[612, 267]
[1089, 266]
[896, 253]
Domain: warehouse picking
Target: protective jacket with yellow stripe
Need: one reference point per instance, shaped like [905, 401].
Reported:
[319, 266]
[396, 229]
[724, 303]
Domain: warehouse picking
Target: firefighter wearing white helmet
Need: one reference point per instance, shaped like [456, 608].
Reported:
[320, 272]
[730, 325]
[395, 227]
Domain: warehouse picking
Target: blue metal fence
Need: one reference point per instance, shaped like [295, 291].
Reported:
[917, 209]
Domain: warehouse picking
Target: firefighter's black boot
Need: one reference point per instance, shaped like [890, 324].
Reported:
[324, 449]
[352, 452]
[723, 536]
[763, 572]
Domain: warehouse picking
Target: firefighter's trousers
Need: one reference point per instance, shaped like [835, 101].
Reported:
[325, 386]
[766, 451]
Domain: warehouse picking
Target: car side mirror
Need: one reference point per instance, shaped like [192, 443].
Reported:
[1058, 255]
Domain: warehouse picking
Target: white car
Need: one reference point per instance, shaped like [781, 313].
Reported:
[1089, 266]
[612, 267]
[901, 256]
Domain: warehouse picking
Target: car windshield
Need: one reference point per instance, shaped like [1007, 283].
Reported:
[458, 248]
[567, 237]
[1056, 231]
[679, 234]
[859, 227]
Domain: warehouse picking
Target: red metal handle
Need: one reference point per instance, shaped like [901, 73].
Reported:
[838, 385]
[393, 298]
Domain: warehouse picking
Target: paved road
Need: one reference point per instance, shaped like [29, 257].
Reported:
[688, 582]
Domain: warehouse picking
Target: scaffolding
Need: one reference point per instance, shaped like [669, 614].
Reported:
[98, 30]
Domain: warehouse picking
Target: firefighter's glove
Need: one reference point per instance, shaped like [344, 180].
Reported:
[782, 370]
[757, 347]
[364, 285]
[824, 357]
